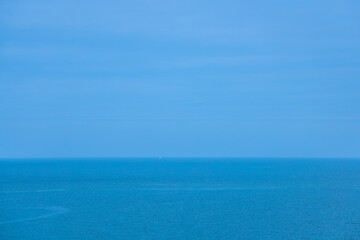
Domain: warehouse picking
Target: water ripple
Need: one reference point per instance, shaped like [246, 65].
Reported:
[54, 211]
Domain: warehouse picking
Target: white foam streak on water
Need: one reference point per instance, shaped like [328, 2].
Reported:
[54, 211]
[35, 191]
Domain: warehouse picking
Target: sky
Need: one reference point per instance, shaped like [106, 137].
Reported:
[189, 78]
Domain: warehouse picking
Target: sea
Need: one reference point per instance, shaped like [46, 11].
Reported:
[180, 198]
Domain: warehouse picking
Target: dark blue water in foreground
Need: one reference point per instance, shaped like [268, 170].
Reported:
[180, 199]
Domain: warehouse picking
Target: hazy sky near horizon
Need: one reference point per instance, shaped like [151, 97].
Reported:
[252, 78]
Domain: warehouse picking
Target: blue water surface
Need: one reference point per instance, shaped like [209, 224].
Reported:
[58, 199]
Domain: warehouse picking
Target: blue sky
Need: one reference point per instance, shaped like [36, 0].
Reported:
[192, 78]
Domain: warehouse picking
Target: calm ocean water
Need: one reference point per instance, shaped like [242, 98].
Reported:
[180, 199]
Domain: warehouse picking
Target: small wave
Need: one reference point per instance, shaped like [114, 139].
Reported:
[54, 211]
[34, 191]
